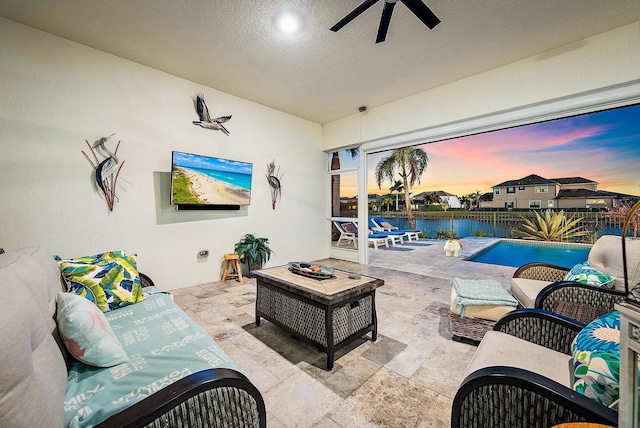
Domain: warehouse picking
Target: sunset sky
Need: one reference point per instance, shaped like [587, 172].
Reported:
[603, 146]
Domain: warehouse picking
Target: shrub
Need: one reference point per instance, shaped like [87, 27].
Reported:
[445, 234]
[513, 234]
[479, 233]
[551, 226]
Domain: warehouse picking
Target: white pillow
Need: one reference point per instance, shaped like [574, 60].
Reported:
[86, 333]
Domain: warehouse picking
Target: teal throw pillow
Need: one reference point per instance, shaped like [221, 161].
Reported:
[110, 280]
[584, 273]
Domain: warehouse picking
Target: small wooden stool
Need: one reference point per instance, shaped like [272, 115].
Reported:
[232, 260]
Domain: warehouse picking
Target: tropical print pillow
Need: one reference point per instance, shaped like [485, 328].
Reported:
[596, 359]
[110, 280]
[584, 273]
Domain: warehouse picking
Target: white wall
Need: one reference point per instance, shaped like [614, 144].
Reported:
[607, 59]
[54, 94]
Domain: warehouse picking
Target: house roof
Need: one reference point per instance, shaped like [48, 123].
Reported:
[486, 197]
[529, 180]
[588, 193]
[573, 180]
[317, 74]
[437, 192]
[533, 180]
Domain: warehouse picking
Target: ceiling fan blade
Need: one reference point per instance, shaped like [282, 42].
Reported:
[423, 13]
[384, 21]
[354, 14]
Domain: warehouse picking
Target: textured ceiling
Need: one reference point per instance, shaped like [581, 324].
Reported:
[233, 46]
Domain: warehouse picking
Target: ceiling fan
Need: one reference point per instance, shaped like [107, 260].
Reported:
[418, 8]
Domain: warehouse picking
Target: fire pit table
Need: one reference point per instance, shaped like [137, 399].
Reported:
[328, 312]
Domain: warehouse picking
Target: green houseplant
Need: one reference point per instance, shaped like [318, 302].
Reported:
[253, 252]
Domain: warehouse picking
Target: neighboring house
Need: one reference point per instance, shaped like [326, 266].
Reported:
[536, 192]
[485, 200]
[446, 198]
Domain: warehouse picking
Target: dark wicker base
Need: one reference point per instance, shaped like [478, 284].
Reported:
[469, 328]
[327, 327]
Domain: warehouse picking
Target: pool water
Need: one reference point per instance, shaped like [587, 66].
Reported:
[516, 254]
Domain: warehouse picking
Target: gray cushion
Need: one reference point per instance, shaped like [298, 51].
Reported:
[501, 349]
[34, 376]
[526, 290]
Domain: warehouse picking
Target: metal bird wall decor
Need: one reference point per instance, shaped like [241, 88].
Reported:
[274, 182]
[106, 172]
[205, 120]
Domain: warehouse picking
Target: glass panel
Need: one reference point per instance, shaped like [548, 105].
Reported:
[344, 206]
[347, 159]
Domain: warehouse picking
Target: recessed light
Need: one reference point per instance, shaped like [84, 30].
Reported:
[288, 22]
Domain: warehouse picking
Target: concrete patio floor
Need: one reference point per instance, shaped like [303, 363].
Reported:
[407, 378]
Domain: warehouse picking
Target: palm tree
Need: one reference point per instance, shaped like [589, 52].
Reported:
[432, 198]
[387, 200]
[397, 187]
[472, 199]
[410, 163]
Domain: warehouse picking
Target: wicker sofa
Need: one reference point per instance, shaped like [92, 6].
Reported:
[37, 371]
[521, 377]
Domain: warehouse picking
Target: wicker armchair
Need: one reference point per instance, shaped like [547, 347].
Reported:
[521, 377]
[542, 286]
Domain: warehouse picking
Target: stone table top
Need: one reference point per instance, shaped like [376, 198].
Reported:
[327, 291]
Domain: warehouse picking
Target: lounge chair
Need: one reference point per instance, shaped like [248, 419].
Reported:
[521, 376]
[349, 232]
[408, 233]
[346, 232]
[393, 235]
[378, 238]
[539, 285]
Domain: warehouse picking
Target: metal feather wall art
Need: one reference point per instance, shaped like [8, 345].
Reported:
[106, 171]
[205, 120]
[274, 182]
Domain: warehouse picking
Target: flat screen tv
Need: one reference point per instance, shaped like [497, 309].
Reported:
[204, 182]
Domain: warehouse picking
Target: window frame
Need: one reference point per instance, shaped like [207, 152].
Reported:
[542, 188]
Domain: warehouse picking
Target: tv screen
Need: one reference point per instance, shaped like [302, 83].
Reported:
[198, 180]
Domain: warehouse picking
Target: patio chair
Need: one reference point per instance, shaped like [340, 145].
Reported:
[349, 235]
[393, 235]
[543, 286]
[521, 376]
[386, 226]
[349, 232]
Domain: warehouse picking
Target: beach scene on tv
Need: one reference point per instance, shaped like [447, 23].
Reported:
[197, 179]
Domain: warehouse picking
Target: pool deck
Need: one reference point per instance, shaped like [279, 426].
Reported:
[427, 257]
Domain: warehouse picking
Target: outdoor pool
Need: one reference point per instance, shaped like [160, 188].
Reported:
[516, 254]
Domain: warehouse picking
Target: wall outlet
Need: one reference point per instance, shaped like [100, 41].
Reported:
[203, 253]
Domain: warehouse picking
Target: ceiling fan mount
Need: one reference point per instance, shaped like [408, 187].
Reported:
[418, 8]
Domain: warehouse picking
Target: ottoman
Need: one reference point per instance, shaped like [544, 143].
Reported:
[477, 319]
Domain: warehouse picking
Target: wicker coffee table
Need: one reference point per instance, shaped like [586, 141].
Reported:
[329, 314]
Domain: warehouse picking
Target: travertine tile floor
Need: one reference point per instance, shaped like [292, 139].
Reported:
[407, 378]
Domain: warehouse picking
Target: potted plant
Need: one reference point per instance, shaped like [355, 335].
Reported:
[253, 253]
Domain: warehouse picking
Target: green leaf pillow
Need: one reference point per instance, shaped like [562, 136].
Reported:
[584, 273]
[110, 280]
